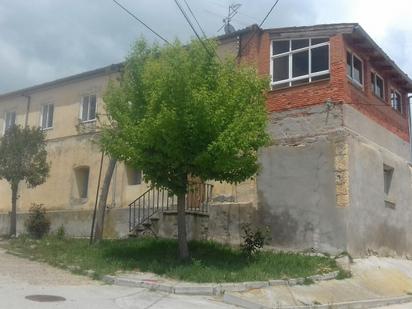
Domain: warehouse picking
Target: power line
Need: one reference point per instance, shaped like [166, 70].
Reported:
[193, 28]
[140, 21]
[193, 15]
[260, 25]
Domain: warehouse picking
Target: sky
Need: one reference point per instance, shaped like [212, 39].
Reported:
[42, 40]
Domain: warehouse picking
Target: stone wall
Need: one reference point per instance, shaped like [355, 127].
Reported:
[222, 223]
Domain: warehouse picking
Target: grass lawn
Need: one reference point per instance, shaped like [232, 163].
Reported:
[210, 262]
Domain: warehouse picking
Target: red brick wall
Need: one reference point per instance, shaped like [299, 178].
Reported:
[338, 88]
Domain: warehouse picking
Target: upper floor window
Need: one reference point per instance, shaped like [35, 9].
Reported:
[299, 61]
[377, 85]
[47, 116]
[88, 108]
[354, 68]
[9, 120]
[396, 100]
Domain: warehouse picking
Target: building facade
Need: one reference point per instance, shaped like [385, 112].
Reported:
[336, 176]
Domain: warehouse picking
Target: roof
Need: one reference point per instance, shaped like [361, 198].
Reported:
[72, 78]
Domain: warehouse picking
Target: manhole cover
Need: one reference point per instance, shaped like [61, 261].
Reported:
[45, 298]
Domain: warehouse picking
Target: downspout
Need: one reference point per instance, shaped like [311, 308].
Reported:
[410, 127]
[26, 121]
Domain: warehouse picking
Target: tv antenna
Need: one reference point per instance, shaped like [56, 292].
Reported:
[233, 10]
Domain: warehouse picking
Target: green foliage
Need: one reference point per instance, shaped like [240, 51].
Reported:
[210, 262]
[178, 111]
[253, 239]
[37, 224]
[23, 156]
[343, 274]
[61, 232]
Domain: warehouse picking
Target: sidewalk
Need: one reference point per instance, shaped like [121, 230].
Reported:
[374, 280]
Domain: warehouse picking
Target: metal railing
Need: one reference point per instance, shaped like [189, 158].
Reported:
[155, 200]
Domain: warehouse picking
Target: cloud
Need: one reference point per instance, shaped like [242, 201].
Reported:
[42, 40]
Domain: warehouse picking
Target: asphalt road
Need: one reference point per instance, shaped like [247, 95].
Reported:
[21, 278]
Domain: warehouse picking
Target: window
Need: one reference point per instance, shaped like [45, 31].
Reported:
[9, 120]
[134, 177]
[354, 68]
[47, 116]
[396, 100]
[377, 85]
[299, 61]
[387, 183]
[82, 181]
[88, 108]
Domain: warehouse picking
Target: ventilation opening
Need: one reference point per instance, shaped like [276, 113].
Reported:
[82, 181]
[387, 184]
[134, 177]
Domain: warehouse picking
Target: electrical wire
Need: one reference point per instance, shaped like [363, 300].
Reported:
[140, 21]
[194, 16]
[260, 25]
[194, 30]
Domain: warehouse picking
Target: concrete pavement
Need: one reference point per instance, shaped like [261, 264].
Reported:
[21, 277]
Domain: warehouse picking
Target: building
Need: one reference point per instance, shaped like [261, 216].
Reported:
[336, 177]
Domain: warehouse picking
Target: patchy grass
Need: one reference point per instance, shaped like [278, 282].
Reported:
[210, 261]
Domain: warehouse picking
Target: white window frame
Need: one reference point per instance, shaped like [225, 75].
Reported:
[374, 85]
[400, 96]
[5, 119]
[48, 115]
[88, 110]
[290, 58]
[363, 68]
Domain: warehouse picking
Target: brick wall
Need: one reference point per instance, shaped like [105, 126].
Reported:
[338, 88]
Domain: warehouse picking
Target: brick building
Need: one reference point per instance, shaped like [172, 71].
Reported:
[336, 177]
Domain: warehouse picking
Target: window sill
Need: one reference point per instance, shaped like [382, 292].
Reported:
[47, 129]
[87, 121]
[389, 203]
[300, 85]
[356, 84]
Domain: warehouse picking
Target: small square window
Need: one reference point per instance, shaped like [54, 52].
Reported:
[134, 177]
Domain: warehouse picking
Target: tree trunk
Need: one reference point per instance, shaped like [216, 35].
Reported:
[13, 215]
[101, 208]
[181, 227]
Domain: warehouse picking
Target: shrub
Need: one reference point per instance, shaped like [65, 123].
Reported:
[253, 239]
[61, 232]
[37, 224]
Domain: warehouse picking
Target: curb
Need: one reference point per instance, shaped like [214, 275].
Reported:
[357, 304]
[210, 289]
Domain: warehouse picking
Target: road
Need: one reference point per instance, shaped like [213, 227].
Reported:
[20, 278]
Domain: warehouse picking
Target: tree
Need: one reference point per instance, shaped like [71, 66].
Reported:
[22, 157]
[180, 113]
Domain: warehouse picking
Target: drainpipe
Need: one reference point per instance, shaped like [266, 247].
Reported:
[410, 127]
[26, 121]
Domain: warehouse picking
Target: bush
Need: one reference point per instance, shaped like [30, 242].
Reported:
[61, 232]
[37, 224]
[253, 240]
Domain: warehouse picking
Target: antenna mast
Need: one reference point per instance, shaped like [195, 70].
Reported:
[233, 10]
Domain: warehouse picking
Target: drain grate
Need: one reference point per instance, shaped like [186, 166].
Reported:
[45, 298]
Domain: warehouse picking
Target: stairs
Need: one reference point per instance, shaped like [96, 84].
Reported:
[146, 209]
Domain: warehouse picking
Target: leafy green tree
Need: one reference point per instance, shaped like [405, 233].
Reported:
[22, 157]
[178, 112]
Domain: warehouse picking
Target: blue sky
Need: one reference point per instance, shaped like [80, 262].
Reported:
[41, 40]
